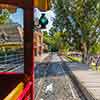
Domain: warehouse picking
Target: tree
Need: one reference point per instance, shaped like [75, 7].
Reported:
[56, 41]
[80, 18]
[4, 16]
[49, 40]
[95, 49]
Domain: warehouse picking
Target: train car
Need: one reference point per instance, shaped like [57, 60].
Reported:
[16, 50]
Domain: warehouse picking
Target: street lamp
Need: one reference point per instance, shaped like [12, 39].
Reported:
[40, 23]
[43, 21]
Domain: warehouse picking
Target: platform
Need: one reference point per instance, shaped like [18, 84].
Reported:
[39, 59]
[88, 78]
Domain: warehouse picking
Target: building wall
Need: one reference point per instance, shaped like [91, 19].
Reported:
[38, 43]
[13, 32]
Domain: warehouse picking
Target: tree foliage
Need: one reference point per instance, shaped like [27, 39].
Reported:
[95, 49]
[79, 21]
[4, 16]
[55, 41]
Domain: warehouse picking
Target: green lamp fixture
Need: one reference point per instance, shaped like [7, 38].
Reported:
[43, 21]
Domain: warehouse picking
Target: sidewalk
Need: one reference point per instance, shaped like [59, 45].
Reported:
[89, 79]
[39, 59]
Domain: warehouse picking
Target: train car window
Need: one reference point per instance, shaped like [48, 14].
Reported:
[11, 38]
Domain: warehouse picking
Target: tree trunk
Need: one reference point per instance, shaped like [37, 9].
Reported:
[84, 53]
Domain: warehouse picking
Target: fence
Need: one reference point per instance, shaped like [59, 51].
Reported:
[12, 60]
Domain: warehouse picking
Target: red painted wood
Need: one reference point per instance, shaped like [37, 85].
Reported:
[20, 3]
[27, 98]
[10, 73]
[27, 5]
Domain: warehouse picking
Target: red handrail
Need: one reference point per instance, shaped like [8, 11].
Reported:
[26, 92]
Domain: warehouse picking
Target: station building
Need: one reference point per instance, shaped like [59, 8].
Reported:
[38, 43]
[11, 33]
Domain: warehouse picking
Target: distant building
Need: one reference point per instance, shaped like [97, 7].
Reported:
[38, 43]
[11, 34]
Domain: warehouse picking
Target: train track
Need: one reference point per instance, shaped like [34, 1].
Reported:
[42, 73]
[63, 86]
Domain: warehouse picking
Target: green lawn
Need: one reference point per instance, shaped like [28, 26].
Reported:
[74, 59]
[79, 59]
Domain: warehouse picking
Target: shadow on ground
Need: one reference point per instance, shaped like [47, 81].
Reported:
[48, 69]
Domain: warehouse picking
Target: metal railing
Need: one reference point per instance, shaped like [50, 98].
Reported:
[11, 61]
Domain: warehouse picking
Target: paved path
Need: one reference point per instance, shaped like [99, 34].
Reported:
[89, 79]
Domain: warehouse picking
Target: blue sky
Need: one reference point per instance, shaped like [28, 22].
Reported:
[18, 17]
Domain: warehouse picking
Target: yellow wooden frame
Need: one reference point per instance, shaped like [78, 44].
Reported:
[14, 94]
[42, 4]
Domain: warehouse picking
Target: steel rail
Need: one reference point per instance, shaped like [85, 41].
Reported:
[37, 97]
[69, 83]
